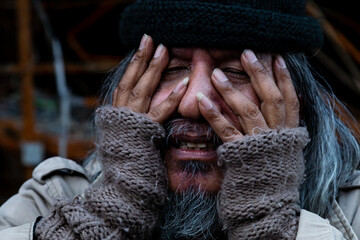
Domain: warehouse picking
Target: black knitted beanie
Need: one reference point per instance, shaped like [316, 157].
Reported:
[260, 25]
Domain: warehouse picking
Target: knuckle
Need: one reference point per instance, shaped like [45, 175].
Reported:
[215, 115]
[153, 65]
[250, 111]
[292, 122]
[121, 88]
[260, 69]
[229, 89]
[284, 74]
[138, 105]
[228, 131]
[294, 104]
[156, 112]
[274, 97]
[140, 54]
[136, 58]
[139, 57]
[278, 100]
[135, 94]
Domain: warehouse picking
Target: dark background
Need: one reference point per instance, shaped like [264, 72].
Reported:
[88, 32]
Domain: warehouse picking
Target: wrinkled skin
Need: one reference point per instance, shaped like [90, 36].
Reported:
[235, 92]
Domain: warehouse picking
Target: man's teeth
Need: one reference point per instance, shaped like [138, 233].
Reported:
[197, 146]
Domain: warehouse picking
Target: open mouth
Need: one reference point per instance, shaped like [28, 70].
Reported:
[191, 161]
[191, 158]
[193, 141]
[196, 146]
[193, 149]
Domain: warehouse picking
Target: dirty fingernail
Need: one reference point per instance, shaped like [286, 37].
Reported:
[219, 75]
[250, 56]
[181, 85]
[204, 101]
[143, 42]
[159, 51]
[281, 62]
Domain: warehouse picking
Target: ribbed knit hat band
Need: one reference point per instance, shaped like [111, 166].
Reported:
[261, 25]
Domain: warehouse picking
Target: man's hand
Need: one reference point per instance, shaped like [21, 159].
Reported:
[137, 86]
[279, 104]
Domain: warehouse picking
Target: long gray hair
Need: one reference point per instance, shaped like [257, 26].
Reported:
[333, 152]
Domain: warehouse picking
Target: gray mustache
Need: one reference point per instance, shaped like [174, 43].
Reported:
[179, 127]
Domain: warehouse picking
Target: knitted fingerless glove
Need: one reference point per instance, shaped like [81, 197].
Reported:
[260, 192]
[126, 201]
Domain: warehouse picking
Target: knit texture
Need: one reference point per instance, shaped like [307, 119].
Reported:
[126, 202]
[260, 25]
[259, 195]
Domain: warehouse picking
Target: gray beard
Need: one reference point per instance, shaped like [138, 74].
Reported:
[190, 216]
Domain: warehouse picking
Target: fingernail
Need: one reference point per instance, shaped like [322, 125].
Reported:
[143, 42]
[281, 62]
[219, 75]
[204, 101]
[181, 85]
[133, 58]
[158, 51]
[250, 56]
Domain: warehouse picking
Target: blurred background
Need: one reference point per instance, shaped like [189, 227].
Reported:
[55, 55]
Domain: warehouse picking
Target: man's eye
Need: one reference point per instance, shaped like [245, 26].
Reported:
[173, 70]
[235, 73]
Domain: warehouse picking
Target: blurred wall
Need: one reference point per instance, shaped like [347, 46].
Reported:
[30, 104]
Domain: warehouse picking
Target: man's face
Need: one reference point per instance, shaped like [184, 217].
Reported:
[235, 92]
[188, 90]
[190, 157]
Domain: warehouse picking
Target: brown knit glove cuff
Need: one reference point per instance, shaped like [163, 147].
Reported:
[125, 203]
[122, 123]
[128, 146]
[260, 191]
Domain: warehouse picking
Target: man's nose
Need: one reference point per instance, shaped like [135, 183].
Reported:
[199, 81]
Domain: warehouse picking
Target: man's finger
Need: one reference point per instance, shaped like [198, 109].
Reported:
[223, 128]
[263, 81]
[249, 114]
[134, 71]
[163, 111]
[141, 94]
[287, 89]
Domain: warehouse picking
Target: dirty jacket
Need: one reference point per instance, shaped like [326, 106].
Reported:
[57, 178]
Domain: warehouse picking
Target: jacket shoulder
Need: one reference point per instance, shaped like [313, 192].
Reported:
[53, 179]
[23, 232]
[353, 182]
[349, 201]
[312, 226]
[58, 165]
